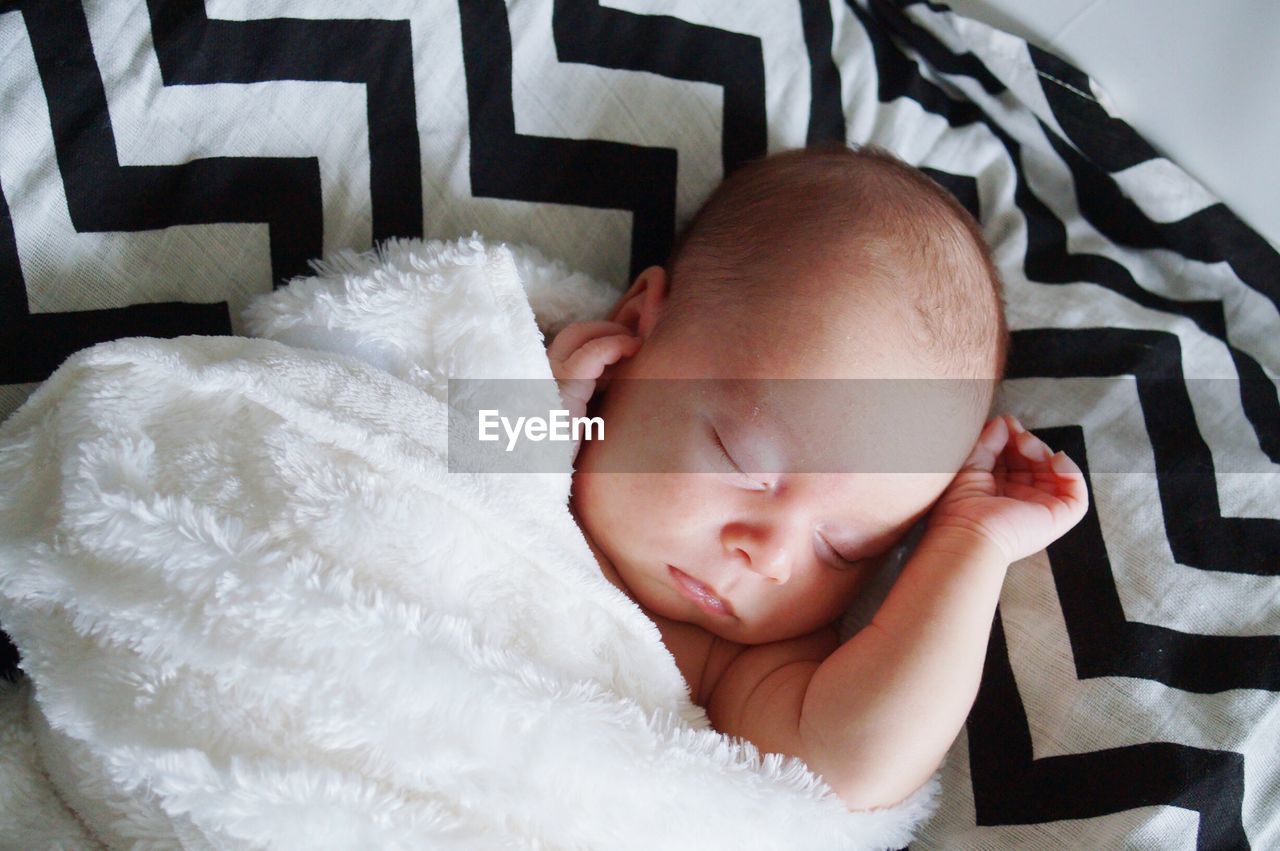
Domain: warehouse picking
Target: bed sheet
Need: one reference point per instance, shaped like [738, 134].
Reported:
[161, 162]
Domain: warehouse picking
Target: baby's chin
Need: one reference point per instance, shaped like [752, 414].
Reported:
[740, 631]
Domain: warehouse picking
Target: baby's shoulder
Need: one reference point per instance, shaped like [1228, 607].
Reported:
[705, 658]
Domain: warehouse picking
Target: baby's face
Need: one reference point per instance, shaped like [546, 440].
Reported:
[694, 496]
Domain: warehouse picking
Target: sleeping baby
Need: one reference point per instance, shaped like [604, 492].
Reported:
[744, 521]
[260, 604]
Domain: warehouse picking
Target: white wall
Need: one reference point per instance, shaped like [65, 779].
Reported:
[1199, 80]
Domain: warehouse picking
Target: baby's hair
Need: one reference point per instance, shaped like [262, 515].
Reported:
[861, 209]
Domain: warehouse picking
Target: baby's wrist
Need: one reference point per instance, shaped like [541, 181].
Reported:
[966, 543]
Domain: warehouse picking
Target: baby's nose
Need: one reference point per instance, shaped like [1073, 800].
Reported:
[762, 550]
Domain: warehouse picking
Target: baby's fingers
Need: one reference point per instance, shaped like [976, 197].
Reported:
[991, 442]
[1070, 481]
[1051, 473]
[575, 334]
[1031, 454]
[577, 353]
[590, 359]
[1026, 451]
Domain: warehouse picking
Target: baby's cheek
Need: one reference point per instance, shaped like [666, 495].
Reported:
[617, 506]
[830, 598]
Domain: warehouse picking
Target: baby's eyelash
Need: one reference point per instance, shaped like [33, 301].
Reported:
[724, 454]
[842, 563]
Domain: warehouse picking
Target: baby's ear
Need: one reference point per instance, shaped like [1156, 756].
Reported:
[640, 306]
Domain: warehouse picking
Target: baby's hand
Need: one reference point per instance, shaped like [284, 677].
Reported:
[1014, 491]
[581, 352]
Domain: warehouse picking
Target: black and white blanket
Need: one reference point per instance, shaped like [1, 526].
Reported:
[162, 162]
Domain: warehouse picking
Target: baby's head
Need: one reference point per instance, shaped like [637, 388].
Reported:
[755, 506]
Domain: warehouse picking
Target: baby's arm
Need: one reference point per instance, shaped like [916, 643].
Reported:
[881, 712]
[876, 716]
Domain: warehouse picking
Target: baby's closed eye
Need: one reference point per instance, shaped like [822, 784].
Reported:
[830, 555]
[748, 480]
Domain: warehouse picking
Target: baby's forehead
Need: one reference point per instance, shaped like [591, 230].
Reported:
[793, 301]
[794, 339]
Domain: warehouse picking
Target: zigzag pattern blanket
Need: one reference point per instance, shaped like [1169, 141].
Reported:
[257, 609]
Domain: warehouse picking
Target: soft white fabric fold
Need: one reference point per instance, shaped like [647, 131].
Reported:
[258, 610]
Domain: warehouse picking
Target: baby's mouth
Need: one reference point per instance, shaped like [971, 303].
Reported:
[699, 593]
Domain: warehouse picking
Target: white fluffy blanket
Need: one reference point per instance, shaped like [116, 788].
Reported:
[257, 610]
